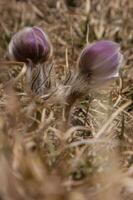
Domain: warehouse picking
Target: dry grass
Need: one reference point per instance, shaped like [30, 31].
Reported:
[40, 157]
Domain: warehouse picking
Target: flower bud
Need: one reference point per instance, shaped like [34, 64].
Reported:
[30, 43]
[100, 62]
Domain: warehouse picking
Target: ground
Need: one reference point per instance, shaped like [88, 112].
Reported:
[41, 157]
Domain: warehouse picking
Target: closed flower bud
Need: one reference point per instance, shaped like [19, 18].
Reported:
[30, 43]
[100, 62]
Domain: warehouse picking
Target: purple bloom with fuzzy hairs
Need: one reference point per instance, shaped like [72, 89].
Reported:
[100, 61]
[30, 43]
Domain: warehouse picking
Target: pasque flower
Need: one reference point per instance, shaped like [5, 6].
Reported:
[30, 43]
[100, 62]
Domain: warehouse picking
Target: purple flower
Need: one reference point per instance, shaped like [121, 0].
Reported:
[30, 43]
[100, 62]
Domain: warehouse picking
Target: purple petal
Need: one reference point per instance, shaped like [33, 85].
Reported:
[30, 43]
[101, 59]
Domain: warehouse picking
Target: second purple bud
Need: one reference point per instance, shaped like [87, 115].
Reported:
[100, 62]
